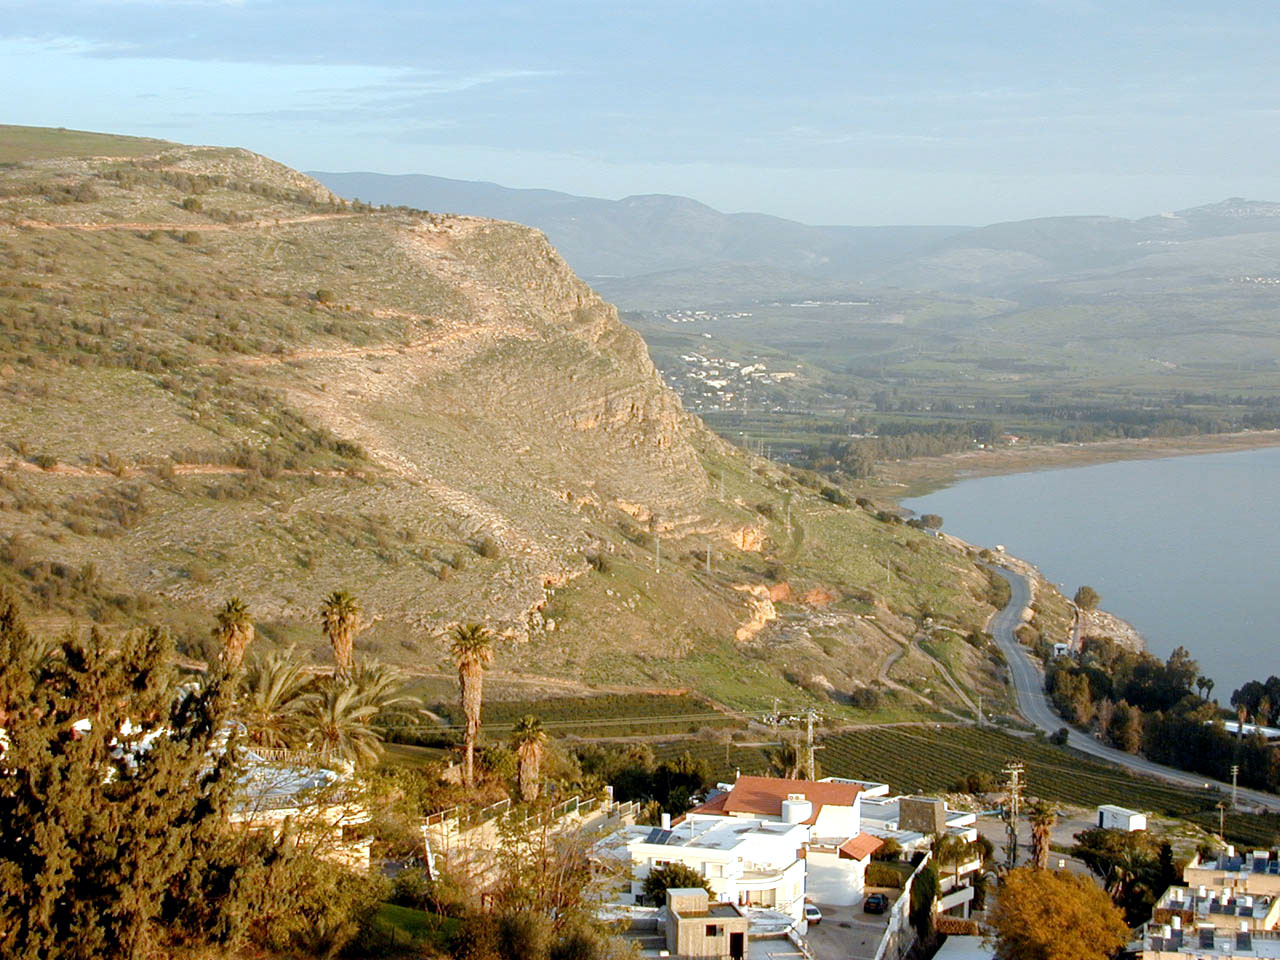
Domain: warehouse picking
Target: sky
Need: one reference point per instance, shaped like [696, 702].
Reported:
[859, 113]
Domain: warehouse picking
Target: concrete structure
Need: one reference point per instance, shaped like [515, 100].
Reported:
[1256, 873]
[471, 842]
[311, 794]
[696, 927]
[746, 862]
[1111, 817]
[1223, 908]
[1164, 942]
[835, 871]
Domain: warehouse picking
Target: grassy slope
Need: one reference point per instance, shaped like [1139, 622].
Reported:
[242, 385]
[19, 144]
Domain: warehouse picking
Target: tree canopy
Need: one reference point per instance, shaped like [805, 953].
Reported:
[1055, 915]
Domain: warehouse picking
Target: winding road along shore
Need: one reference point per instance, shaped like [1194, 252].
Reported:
[1028, 683]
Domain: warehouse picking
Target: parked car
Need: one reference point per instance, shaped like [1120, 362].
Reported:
[876, 903]
[812, 913]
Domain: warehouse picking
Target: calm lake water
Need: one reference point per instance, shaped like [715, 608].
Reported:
[1187, 549]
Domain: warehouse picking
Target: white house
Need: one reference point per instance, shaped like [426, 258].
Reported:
[836, 849]
[746, 862]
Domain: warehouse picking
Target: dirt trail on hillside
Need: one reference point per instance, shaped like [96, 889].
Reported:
[197, 227]
[181, 469]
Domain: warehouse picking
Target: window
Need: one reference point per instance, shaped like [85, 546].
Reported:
[713, 930]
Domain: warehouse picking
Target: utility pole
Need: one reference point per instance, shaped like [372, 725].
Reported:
[811, 766]
[1012, 809]
[979, 709]
[1222, 821]
[1235, 771]
[708, 557]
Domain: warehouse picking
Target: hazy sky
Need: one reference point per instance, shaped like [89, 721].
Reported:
[885, 112]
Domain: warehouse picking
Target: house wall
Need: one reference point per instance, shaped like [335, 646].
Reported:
[836, 821]
[831, 879]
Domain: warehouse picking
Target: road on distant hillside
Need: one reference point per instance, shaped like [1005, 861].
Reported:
[1028, 683]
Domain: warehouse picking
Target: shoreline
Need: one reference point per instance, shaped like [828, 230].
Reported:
[914, 478]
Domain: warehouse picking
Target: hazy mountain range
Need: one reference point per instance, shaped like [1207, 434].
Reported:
[660, 251]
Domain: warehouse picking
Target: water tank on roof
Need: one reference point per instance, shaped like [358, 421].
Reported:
[796, 809]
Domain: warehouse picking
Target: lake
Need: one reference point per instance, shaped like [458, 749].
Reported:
[1187, 549]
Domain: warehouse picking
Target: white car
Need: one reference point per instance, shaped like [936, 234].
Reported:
[812, 914]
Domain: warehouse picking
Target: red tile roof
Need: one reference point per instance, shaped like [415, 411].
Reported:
[861, 846]
[714, 805]
[764, 796]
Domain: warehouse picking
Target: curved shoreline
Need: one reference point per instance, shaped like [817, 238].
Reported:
[914, 478]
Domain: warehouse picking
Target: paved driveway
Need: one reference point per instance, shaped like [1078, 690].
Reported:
[846, 933]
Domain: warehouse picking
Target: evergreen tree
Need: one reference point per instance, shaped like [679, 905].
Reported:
[114, 790]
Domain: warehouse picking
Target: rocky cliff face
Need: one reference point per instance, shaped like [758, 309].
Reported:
[497, 404]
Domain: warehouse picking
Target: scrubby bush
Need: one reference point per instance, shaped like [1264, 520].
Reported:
[489, 549]
[880, 874]
[835, 496]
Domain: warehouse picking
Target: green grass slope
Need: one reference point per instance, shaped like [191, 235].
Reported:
[216, 377]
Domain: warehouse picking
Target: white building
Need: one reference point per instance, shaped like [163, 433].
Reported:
[1111, 817]
[745, 862]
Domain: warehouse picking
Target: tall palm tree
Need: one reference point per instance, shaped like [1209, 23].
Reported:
[1208, 687]
[234, 632]
[271, 700]
[1242, 714]
[472, 651]
[528, 739]
[1042, 819]
[339, 721]
[951, 851]
[1200, 684]
[340, 617]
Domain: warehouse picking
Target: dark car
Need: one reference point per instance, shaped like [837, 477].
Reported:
[876, 903]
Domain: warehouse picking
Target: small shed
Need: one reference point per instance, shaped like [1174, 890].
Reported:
[698, 928]
[1111, 817]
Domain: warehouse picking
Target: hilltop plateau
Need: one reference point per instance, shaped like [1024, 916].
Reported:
[218, 377]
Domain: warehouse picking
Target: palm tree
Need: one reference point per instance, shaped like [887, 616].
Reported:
[786, 761]
[381, 685]
[234, 632]
[1042, 819]
[472, 651]
[528, 739]
[1263, 713]
[953, 851]
[1200, 685]
[340, 617]
[339, 722]
[1208, 687]
[1242, 714]
[271, 700]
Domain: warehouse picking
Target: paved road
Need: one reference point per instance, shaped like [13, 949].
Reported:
[1028, 683]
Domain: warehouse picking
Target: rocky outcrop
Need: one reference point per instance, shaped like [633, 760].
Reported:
[761, 611]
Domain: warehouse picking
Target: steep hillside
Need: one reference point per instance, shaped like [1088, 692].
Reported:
[217, 377]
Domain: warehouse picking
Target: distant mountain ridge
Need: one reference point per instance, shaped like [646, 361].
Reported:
[608, 241]
[662, 251]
